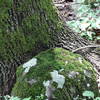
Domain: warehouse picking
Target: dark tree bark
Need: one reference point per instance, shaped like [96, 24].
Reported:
[46, 25]
[69, 0]
[25, 29]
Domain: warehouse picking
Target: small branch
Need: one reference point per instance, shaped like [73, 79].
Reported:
[89, 46]
[96, 71]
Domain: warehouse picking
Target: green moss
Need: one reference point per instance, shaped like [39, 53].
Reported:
[55, 59]
[36, 17]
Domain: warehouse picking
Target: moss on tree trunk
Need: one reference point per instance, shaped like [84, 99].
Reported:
[25, 30]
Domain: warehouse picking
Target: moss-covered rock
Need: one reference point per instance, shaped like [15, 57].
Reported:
[79, 75]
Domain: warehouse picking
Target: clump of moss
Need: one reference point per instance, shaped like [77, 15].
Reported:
[56, 59]
[35, 19]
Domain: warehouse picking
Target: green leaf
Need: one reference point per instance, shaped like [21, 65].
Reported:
[83, 34]
[27, 98]
[14, 98]
[98, 38]
[97, 98]
[88, 94]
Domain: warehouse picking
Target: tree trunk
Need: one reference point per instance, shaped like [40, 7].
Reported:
[25, 30]
[33, 25]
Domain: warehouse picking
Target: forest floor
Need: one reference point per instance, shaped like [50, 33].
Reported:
[81, 18]
[85, 21]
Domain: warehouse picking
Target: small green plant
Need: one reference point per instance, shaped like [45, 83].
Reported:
[87, 20]
[90, 95]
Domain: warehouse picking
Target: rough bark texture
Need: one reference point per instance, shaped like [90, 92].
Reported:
[28, 25]
[71, 41]
[25, 31]
[69, 0]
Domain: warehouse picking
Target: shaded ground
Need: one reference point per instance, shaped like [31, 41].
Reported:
[89, 29]
[66, 12]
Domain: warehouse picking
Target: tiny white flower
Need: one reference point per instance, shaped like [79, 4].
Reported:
[88, 85]
[66, 62]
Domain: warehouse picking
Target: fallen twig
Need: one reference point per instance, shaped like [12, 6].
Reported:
[89, 46]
